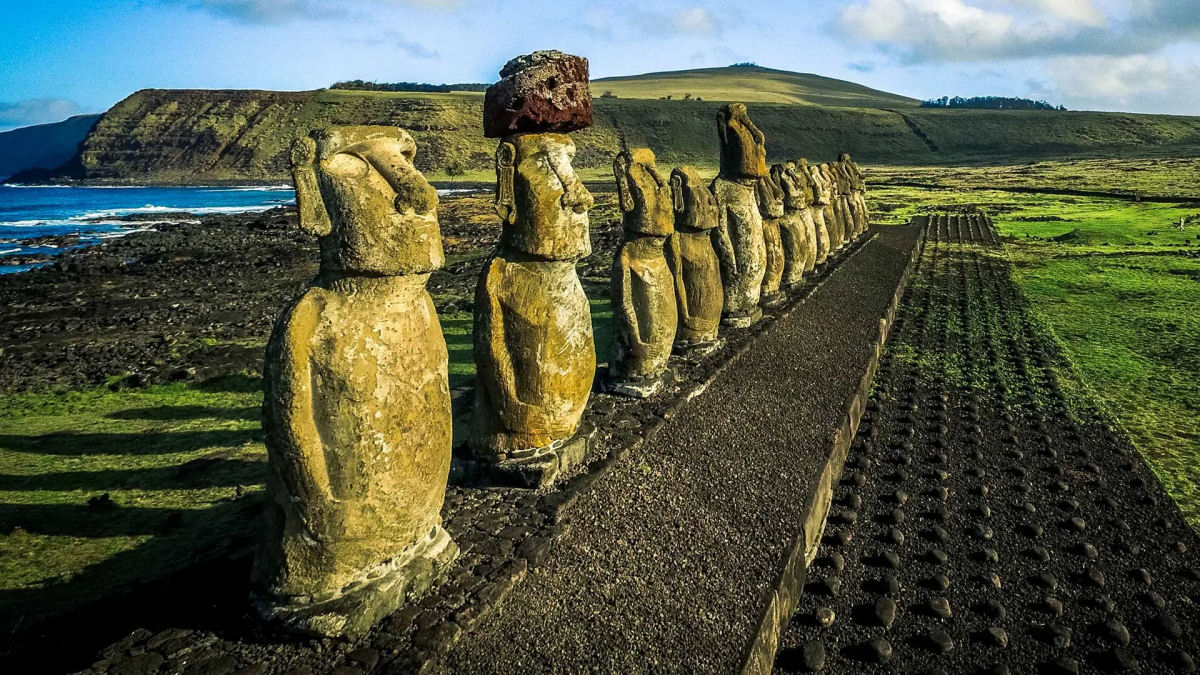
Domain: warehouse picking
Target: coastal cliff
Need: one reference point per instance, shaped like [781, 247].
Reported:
[158, 136]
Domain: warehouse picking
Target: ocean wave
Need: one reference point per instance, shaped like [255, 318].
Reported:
[151, 208]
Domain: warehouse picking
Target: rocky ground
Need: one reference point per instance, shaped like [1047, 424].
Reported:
[988, 520]
[192, 301]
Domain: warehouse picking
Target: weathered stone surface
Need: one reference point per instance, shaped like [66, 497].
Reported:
[743, 146]
[770, 206]
[546, 91]
[815, 185]
[357, 402]
[739, 241]
[699, 295]
[858, 194]
[535, 356]
[796, 229]
[643, 290]
[834, 221]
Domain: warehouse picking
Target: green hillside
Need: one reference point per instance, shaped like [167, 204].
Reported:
[750, 84]
[43, 146]
[206, 136]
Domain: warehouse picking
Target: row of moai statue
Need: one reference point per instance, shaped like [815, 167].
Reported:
[357, 408]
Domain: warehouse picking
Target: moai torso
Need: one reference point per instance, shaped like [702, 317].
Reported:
[770, 205]
[739, 241]
[816, 209]
[858, 191]
[535, 357]
[794, 234]
[357, 403]
[831, 208]
[698, 292]
[643, 290]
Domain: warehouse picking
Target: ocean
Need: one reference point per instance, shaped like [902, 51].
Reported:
[30, 213]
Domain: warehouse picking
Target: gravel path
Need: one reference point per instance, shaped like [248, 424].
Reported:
[669, 557]
[988, 520]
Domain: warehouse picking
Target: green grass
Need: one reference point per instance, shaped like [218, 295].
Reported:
[177, 462]
[750, 85]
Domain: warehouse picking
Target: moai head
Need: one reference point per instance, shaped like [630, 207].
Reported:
[743, 147]
[844, 158]
[770, 197]
[373, 212]
[644, 195]
[784, 176]
[695, 205]
[542, 203]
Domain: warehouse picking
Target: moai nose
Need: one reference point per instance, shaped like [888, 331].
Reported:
[577, 198]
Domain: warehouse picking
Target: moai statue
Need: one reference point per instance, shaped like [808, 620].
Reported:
[858, 194]
[845, 205]
[357, 399]
[794, 234]
[803, 192]
[693, 261]
[833, 220]
[770, 206]
[816, 207]
[535, 355]
[643, 289]
[739, 242]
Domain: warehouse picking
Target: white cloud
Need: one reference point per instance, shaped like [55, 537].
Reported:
[696, 21]
[1138, 83]
[37, 111]
[1083, 12]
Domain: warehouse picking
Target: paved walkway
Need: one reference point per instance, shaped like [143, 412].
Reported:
[988, 521]
[670, 555]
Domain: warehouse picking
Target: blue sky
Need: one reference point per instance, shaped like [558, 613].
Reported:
[72, 56]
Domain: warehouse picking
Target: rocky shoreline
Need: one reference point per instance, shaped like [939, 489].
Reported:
[197, 300]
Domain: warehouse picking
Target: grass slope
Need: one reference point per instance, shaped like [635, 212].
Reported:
[751, 84]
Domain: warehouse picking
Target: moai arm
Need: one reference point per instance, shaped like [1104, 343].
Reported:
[628, 197]
[501, 381]
[290, 417]
[622, 289]
[722, 243]
[675, 255]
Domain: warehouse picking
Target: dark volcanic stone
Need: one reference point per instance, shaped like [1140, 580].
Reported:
[546, 91]
[885, 611]
[813, 655]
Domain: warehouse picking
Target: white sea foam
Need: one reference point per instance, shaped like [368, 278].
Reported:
[9, 250]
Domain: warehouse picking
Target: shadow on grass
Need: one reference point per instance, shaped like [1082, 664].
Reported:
[206, 472]
[188, 412]
[196, 576]
[151, 443]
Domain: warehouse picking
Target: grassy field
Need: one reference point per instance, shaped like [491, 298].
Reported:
[750, 84]
[1118, 283]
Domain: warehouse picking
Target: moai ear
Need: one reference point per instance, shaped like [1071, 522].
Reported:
[677, 192]
[313, 216]
[621, 172]
[506, 205]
